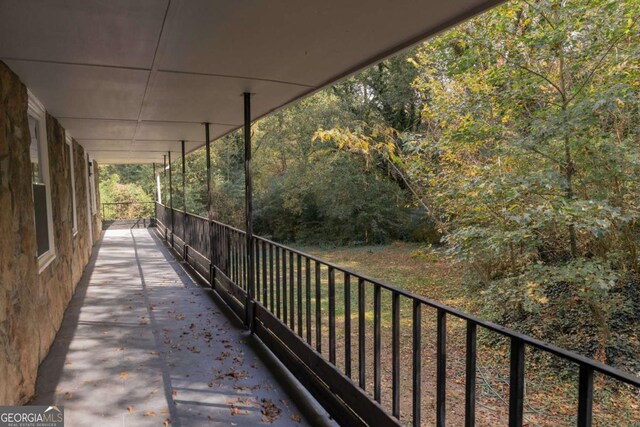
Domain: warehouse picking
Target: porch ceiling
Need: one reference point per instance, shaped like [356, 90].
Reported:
[130, 79]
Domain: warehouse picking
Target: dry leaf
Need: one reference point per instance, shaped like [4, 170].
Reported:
[68, 395]
[149, 414]
[130, 408]
[296, 418]
[124, 375]
[166, 422]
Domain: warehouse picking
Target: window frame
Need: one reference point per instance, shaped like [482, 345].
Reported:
[36, 110]
[74, 226]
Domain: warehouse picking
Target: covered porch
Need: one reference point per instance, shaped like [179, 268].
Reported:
[142, 344]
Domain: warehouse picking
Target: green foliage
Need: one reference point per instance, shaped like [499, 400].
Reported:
[333, 201]
[112, 190]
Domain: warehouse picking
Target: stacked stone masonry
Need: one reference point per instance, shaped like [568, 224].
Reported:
[32, 304]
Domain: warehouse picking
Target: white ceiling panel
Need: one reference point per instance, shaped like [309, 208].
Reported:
[99, 129]
[200, 98]
[84, 91]
[163, 146]
[119, 157]
[115, 32]
[305, 42]
[105, 145]
[134, 74]
[176, 131]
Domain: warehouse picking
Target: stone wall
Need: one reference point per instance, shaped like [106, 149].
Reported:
[32, 304]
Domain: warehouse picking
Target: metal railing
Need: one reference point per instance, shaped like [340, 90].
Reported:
[132, 210]
[325, 322]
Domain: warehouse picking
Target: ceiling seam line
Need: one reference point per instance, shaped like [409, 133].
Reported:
[152, 71]
[231, 76]
[78, 64]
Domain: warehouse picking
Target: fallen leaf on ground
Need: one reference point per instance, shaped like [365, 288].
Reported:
[68, 395]
[124, 375]
[149, 414]
[270, 411]
[130, 408]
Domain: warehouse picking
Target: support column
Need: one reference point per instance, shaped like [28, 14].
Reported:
[158, 188]
[164, 173]
[164, 181]
[248, 194]
[171, 200]
[184, 202]
[212, 254]
[155, 194]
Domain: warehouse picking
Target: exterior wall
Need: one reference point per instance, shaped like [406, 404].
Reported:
[32, 304]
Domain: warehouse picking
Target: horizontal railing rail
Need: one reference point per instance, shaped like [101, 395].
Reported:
[329, 325]
[131, 210]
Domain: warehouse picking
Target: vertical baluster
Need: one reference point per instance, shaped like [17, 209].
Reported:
[231, 260]
[585, 396]
[239, 257]
[361, 335]
[441, 370]
[376, 341]
[242, 253]
[228, 251]
[271, 290]
[292, 307]
[332, 315]
[278, 302]
[395, 354]
[284, 286]
[307, 278]
[299, 302]
[516, 383]
[417, 362]
[347, 324]
[264, 275]
[318, 308]
[235, 258]
[470, 383]
[257, 269]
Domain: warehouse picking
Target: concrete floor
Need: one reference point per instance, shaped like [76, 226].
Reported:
[141, 344]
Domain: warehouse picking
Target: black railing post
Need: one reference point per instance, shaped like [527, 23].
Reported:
[470, 384]
[585, 396]
[248, 190]
[155, 193]
[171, 200]
[164, 175]
[207, 144]
[184, 203]
[516, 383]
[417, 363]
[441, 368]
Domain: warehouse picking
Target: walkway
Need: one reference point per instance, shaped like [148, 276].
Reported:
[141, 344]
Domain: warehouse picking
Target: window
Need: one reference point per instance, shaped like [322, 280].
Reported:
[72, 185]
[39, 153]
[92, 185]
